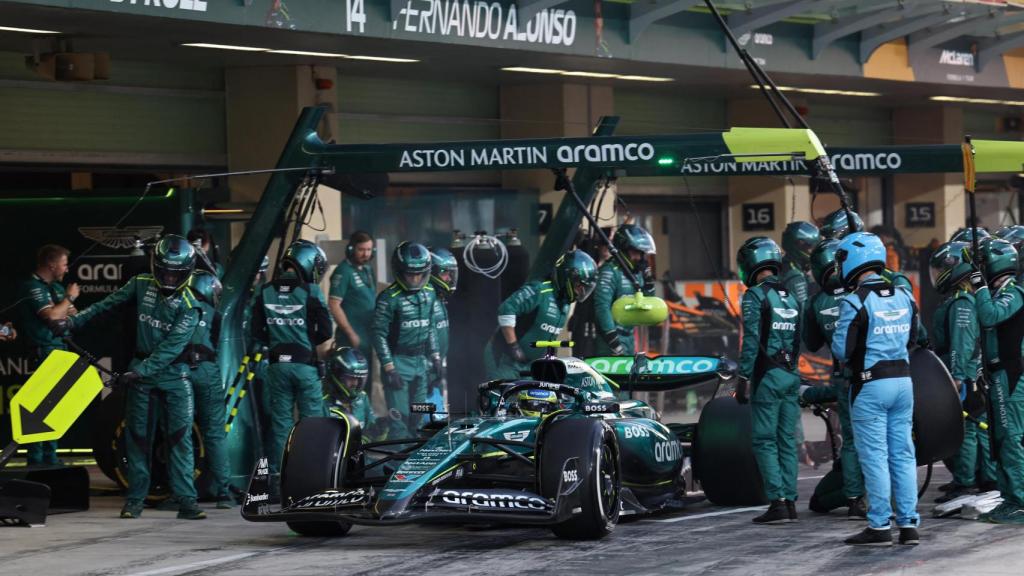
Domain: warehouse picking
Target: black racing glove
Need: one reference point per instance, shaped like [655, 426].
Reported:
[611, 338]
[976, 279]
[517, 353]
[742, 388]
[60, 327]
[392, 381]
[974, 402]
[128, 379]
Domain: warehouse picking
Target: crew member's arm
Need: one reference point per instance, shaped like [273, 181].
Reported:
[258, 323]
[124, 295]
[520, 303]
[319, 319]
[994, 310]
[604, 295]
[173, 345]
[750, 345]
[340, 282]
[48, 310]
[963, 340]
[847, 332]
[813, 336]
[383, 315]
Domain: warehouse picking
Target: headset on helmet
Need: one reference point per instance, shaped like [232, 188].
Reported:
[205, 286]
[411, 263]
[172, 262]
[444, 270]
[307, 259]
[947, 267]
[575, 276]
[857, 253]
[755, 255]
[823, 265]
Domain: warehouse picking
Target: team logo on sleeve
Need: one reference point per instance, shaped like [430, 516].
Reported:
[833, 311]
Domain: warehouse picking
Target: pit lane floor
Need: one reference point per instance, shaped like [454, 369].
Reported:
[703, 539]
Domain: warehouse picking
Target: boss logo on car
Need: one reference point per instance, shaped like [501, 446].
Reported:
[667, 451]
[636, 432]
[601, 408]
[491, 499]
[570, 476]
[332, 499]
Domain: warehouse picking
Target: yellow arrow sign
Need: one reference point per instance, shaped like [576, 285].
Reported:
[53, 398]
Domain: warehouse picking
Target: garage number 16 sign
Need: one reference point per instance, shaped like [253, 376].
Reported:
[758, 216]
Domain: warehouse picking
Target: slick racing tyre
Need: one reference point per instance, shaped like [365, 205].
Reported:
[938, 415]
[723, 456]
[314, 461]
[593, 443]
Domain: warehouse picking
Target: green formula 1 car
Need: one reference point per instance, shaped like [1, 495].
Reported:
[564, 448]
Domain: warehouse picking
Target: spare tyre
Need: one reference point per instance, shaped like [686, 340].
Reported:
[938, 415]
[723, 455]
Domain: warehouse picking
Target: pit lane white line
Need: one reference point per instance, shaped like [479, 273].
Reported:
[180, 568]
[711, 514]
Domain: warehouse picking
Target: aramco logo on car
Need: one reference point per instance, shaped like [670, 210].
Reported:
[668, 365]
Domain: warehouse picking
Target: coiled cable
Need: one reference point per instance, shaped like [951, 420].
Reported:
[483, 241]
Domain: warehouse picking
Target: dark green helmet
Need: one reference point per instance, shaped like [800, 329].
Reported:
[411, 263]
[307, 259]
[823, 265]
[575, 276]
[347, 372]
[949, 266]
[836, 225]
[205, 286]
[757, 254]
[967, 235]
[798, 239]
[1012, 234]
[174, 259]
[632, 237]
[444, 271]
[998, 258]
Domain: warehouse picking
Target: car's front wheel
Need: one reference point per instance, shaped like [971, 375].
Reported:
[313, 462]
[592, 443]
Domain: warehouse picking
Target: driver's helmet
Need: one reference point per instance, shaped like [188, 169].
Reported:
[347, 371]
[535, 403]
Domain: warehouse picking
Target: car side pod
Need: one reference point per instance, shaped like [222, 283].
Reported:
[938, 416]
[723, 454]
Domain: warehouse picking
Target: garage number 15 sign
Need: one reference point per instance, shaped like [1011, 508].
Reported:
[758, 216]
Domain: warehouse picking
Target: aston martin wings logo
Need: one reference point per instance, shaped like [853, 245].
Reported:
[284, 308]
[833, 311]
[891, 315]
[786, 313]
[120, 238]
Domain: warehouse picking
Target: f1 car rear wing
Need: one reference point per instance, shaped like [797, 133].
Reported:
[643, 374]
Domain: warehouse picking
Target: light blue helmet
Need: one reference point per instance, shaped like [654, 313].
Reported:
[857, 253]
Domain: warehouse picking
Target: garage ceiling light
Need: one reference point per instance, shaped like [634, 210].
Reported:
[825, 91]
[586, 74]
[380, 58]
[977, 100]
[225, 47]
[27, 30]
[306, 53]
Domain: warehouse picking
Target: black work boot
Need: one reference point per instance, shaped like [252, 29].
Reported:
[777, 513]
[791, 510]
[909, 536]
[871, 537]
[856, 509]
[189, 510]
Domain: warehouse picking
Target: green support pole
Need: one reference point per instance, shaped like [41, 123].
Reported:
[567, 220]
[266, 222]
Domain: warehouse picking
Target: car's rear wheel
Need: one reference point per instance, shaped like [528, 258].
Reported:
[314, 461]
[593, 443]
[723, 455]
